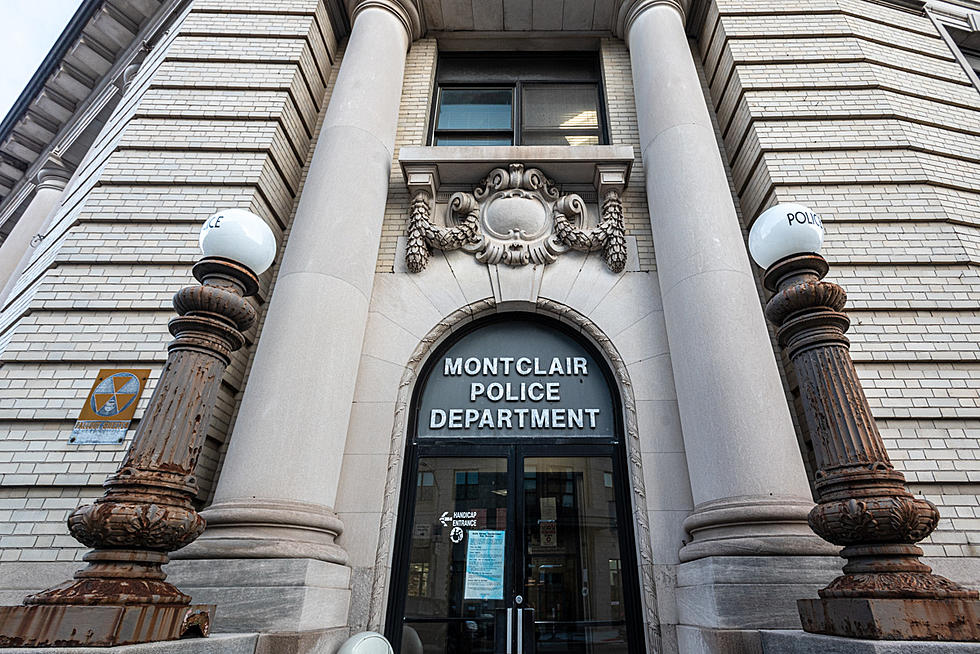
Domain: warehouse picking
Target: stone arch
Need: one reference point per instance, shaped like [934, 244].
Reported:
[399, 433]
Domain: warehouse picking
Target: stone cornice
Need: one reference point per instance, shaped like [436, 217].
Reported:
[630, 10]
[406, 11]
[53, 110]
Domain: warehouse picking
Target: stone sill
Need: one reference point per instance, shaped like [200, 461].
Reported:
[467, 165]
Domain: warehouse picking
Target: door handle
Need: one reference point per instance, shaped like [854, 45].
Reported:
[520, 631]
[510, 631]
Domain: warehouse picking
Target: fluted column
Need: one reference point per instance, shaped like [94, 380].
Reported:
[279, 481]
[747, 477]
[15, 252]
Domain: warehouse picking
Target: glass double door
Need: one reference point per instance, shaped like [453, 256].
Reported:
[513, 549]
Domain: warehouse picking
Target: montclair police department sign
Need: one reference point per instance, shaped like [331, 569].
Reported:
[512, 379]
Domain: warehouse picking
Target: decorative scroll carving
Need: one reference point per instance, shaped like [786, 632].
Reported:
[422, 233]
[609, 236]
[516, 216]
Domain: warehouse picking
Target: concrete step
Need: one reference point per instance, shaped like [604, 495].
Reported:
[214, 644]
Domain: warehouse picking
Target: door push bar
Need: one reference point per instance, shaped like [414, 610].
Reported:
[515, 642]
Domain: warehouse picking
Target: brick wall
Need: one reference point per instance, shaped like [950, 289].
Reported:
[221, 114]
[861, 111]
[413, 127]
[617, 79]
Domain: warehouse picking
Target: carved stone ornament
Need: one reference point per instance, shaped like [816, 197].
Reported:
[516, 216]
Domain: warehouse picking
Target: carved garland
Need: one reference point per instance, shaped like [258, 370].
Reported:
[382, 564]
[516, 216]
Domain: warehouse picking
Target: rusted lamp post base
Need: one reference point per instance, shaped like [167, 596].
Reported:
[863, 504]
[122, 597]
[101, 626]
[892, 619]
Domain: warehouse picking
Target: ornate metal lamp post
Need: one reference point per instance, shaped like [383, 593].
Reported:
[122, 597]
[863, 502]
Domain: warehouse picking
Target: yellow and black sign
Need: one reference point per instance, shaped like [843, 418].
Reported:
[110, 406]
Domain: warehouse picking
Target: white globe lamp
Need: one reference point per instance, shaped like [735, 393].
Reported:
[366, 642]
[783, 231]
[241, 236]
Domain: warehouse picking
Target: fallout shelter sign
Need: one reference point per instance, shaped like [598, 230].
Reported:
[516, 379]
[109, 407]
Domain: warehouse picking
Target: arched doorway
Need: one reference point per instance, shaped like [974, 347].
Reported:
[515, 531]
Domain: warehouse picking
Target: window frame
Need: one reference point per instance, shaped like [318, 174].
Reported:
[436, 131]
[598, 130]
[559, 73]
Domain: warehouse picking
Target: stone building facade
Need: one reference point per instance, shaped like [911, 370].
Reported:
[323, 117]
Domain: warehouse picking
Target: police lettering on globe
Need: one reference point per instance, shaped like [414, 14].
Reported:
[803, 217]
[516, 379]
[785, 230]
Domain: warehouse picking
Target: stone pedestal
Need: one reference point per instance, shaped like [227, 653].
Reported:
[267, 595]
[723, 601]
[749, 592]
[800, 642]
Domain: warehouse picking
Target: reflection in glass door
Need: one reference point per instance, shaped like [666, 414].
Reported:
[512, 553]
[572, 563]
[461, 510]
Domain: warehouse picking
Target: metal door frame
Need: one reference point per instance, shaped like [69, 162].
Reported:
[492, 447]
[515, 451]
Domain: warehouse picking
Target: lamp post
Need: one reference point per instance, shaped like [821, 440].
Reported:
[122, 597]
[863, 503]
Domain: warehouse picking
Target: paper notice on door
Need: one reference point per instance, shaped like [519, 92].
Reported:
[549, 508]
[484, 565]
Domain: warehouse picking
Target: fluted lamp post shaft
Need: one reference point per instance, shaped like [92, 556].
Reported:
[863, 503]
[122, 596]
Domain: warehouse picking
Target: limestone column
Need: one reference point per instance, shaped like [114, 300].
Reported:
[15, 253]
[279, 481]
[750, 489]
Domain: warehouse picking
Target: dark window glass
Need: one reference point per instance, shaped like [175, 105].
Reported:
[968, 43]
[494, 99]
[475, 109]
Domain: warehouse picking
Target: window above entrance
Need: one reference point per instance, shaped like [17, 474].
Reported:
[489, 99]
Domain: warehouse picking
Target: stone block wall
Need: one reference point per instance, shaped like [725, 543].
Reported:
[860, 110]
[223, 113]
